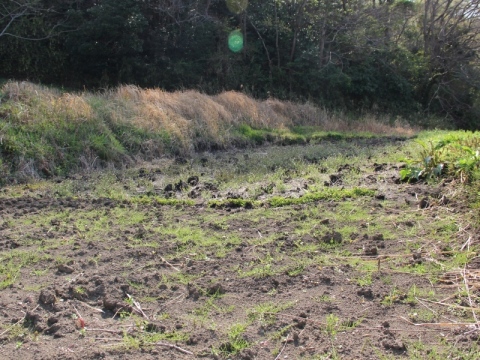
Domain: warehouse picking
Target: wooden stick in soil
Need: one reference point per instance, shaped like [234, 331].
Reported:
[138, 307]
[452, 305]
[105, 330]
[283, 348]
[437, 324]
[166, 262]
[171, 346]
[90, 307]
[467, 289]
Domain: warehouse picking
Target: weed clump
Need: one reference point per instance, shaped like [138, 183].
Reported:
[454, 155]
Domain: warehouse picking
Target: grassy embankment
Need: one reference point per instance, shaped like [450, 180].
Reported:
[46, 132]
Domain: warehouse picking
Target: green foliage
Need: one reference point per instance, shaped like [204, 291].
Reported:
[265, 313]
[454, 154]
[236, 341]
[326, 194]
[431, 165]
[254, 135]
[332, 323]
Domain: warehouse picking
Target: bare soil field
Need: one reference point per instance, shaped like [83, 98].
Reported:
[294, 252]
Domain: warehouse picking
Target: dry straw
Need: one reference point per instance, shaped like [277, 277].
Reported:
[189, 118]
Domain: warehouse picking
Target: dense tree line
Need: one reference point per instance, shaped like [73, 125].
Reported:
[397, 56]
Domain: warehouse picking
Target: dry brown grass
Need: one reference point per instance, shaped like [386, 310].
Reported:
[369, 124]
[38, 103]
[189, 117]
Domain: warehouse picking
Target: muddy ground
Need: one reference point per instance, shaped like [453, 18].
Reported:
[165, 261]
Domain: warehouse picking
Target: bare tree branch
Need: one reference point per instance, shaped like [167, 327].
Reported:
[14, 11]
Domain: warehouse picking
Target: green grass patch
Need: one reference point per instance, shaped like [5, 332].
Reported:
[266, 313]
[336, 194]
[326, 194]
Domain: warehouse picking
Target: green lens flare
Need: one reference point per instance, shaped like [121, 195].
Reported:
[235, 41]
[237, 6]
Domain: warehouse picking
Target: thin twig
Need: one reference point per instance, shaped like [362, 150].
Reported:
[75, 277]
[283, 348]
[465, 281]
[421, 302]
[390, 329]
[452, 305]
[166, 262]
[91, 307]
[171, 346]
[173, 300]
[467, 244]
[138, 307]
[104, 330]
[78, 314]
[295, 317]
[120, 309]
[436, 324]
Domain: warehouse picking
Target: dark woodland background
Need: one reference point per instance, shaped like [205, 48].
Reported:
[402, 58]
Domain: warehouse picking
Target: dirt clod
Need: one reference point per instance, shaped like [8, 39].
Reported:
[216, 289]
[395, 345]
[366, 293]
[47, 297]
[193, 180]
[65, 269]
[424, 203]
[109, 303]
[332, 238]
